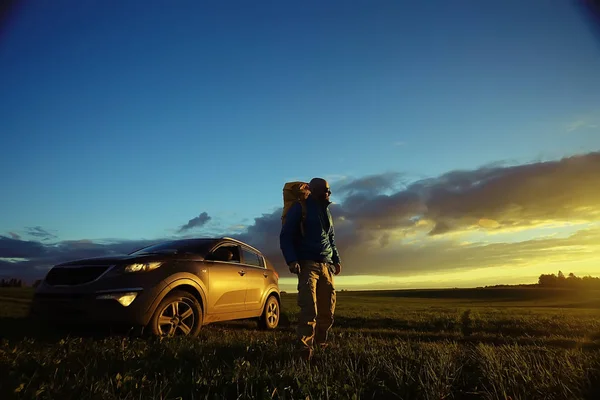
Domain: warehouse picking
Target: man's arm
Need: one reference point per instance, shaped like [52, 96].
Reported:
[336, 255]
[288, 231]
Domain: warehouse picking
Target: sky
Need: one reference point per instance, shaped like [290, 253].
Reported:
[460, 138]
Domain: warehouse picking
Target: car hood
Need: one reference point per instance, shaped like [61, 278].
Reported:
[121, 259]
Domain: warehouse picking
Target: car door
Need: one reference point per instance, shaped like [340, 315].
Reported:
[226, 283]
[257, 278]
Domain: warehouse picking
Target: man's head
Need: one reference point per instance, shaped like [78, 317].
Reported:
[319, 188]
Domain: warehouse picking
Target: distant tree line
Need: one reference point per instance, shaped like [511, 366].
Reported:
[11, 282]
[570, 281]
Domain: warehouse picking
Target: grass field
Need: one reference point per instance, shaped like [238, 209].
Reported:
[517, 343]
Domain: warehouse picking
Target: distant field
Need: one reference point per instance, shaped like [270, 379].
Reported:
[518, 343]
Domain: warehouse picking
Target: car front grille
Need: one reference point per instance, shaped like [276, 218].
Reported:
[61, 296]
[70, 276]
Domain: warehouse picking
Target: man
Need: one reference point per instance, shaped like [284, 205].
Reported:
[313, 256]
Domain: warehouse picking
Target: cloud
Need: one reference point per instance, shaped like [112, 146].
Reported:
[427, 226]
[417, 226]
[387, 254]
[448, 255]
[335, 178]
[32, 259]
[384, 240]
[16, 248]
[576, 125]
[581, 124]
[510, 196]
[440, 228]
[39, 232]
[14, 235]
[237, 228]
[370, 184]
[396, 258]
[524, 195]
[196, 222]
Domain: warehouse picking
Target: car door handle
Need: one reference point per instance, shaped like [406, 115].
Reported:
[242, 272]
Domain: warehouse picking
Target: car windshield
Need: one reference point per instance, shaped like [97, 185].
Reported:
[190, 246]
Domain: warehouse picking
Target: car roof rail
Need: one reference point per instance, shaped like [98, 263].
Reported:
[242, 243]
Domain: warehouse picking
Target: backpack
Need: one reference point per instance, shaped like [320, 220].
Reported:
[295, 192]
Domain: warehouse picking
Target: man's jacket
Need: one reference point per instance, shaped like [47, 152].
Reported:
[318, 242]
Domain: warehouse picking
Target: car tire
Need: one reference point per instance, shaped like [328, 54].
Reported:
[178, 314]
[269, 319]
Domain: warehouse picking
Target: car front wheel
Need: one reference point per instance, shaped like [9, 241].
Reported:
[179, 313]
[270, 316]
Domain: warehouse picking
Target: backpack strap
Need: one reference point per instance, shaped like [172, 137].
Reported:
[303, 204]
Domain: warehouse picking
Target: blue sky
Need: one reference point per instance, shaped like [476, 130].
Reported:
[127, 119]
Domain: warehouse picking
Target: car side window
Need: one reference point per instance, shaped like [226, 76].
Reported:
[227, 253]
[251, 258]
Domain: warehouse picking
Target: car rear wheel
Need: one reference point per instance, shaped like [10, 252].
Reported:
[178, 314]
[270, 316]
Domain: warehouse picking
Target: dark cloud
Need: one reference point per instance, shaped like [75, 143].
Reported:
[384, 240]
[264, 235]
[33, 259]
[440, 228]
[370, 184]
[563, 190]
[380, 211]
[39, 232]
[14, 235]
[16, 248]
[489, 199]
[196, 222]
[414, 229]
[371, 257]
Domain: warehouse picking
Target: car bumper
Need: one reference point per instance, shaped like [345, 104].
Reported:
[70, 305]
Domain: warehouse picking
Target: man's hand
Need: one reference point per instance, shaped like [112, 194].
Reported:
[294, 267]
[338, 268]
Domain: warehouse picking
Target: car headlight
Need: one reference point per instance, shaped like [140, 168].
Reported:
[142, 267]
[124, 299]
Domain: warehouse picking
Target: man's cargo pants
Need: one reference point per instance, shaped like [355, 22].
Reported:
[316, 299]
